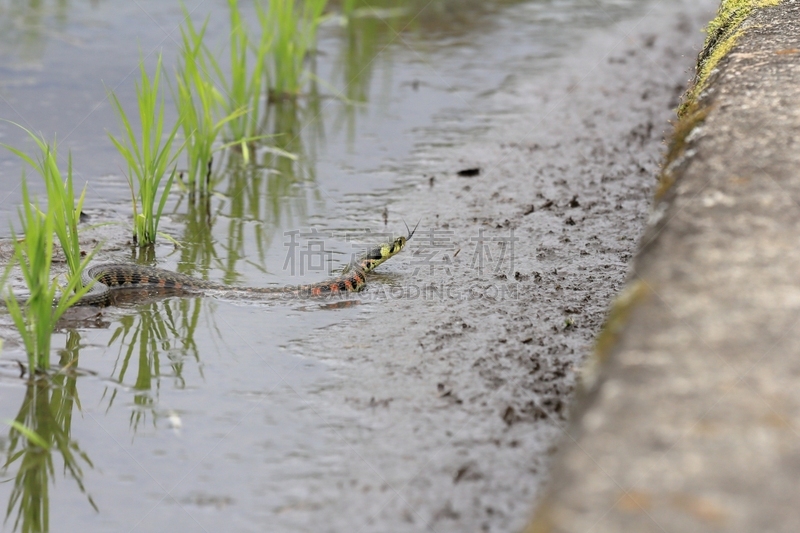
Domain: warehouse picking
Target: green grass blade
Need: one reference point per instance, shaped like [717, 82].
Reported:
[29, 434]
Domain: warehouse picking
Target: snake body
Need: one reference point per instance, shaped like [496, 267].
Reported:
[108, 277]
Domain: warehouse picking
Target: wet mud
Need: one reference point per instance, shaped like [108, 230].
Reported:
[448, 405]
[434, 400]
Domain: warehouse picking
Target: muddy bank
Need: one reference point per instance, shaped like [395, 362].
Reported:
[689, 417]
[454, 393]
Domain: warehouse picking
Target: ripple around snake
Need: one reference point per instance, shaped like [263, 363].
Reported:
[114, 276]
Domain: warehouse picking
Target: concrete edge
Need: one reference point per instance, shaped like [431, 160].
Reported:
[733, 20]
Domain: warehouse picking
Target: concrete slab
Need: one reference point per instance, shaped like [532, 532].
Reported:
[689, 418]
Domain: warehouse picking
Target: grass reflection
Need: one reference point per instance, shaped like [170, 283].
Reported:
[46, 411]
[26, 25]
[160, 336]
[198, 252]
[256, 200]
[369, 27]
[272, 194]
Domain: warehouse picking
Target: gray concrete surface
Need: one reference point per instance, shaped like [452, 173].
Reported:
[690, 418]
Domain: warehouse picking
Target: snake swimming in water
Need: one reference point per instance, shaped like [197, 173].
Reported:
[108, 277]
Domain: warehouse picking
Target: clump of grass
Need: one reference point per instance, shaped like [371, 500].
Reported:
[60, 199]
[230, 102]
[36, 318]
[294, 31]
[243, 88]
[148, 158]
[198, 102]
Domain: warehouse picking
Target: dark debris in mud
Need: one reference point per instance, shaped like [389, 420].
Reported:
[469, 172]
[448, 410]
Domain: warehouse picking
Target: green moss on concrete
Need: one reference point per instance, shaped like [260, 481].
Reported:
[677, 146]
[722, 34]
[633, 295]
[542, 521]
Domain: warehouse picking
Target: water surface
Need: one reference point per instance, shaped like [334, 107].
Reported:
[207, 413]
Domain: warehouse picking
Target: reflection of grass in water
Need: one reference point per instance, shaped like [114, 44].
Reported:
[364, 38]
[263, 196]
[47, 411]
[255, 197]
[26, 26]
[162, 329]
[197, 252]
[270, 193]
[370, 26]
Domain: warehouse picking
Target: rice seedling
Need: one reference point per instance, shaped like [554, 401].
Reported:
[198, 102]
[243, 88]
[294, 31]
[148, 158]
[60, 198]
[36, 318]
[203, 91]
[196, 99]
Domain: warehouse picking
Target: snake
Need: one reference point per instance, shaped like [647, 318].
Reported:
[105, 278]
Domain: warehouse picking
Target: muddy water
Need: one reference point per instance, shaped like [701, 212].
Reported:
[434, 401]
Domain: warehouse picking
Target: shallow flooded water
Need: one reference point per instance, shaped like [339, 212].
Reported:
[215, 413]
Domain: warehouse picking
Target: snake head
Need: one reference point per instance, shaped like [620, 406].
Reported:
[380, 253]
